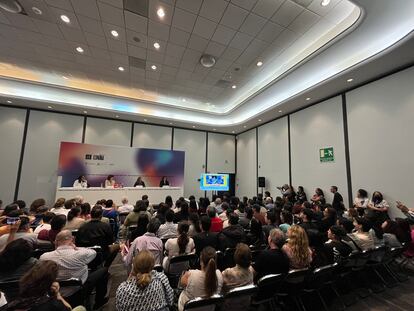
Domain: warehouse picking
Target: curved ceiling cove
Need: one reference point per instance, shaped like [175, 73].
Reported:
[266, 53]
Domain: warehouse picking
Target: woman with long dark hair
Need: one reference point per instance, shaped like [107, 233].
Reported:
[201, 283]
[74, 220]
[181, 245]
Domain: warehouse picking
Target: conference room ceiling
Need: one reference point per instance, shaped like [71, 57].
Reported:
[85, 56]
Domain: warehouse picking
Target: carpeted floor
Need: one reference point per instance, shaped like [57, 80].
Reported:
[400, 298]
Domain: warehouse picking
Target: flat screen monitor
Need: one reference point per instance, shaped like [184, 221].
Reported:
[216, 182]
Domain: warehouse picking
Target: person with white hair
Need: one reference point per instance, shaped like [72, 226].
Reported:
[125, 207]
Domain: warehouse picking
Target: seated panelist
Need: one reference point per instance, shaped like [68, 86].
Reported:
[164, 182]
[110, 181]
[139, 182]
[81, 182]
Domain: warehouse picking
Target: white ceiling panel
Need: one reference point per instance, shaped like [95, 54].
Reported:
[197, 43]
[270, 32]
[192, 6]
[62, 4]
[253, 24]
[47, 28]
[96, 41]
[137, 51]
[158, 30]
[90, 25]
[223, 34]
[204, 28]
[111, 14]
[184, 20]
[304, 22]
[179, 36]
[215, 49]
[241, 41]
[213, 9]
[136, 22]
[115, 3]
[266, 8]
[234, 16]
[287, 13]
[86, 7]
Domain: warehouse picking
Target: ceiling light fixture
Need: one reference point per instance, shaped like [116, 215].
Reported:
[193, 126]
[157, 45]
[233, 86]
[244, 126]
[114, 33]
[50, 107]
[153, 67]
[145, 120]
[325, 2]
[37, 11]
[79, 49]
[85, 111]
[184, 100]
[65, 19]
[160, 12]
[8, 101]
[171, 123]
[116, 116]
[350, 80]
[259, 64]
[120, 68]
[260, 120]
[64, 77]
[280, 111]
[233, 132]
[308, 98]
[207, 60]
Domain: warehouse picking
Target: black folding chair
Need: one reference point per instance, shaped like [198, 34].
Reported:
[239, 298]
[220, 260]
[292, 287]
[177, 265]
[72, 290]
[122, 217]
[10, 289]
[204, 304]
[268, 286]
[229, 258]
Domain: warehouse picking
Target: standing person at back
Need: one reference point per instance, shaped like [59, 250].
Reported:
[338, 200]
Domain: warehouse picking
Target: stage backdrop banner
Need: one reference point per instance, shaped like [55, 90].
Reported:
[96, 162]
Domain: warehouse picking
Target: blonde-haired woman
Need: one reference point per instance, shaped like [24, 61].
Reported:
[145, 289]
[297, 248]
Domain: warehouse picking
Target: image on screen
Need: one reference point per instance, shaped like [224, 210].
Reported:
[216, 182]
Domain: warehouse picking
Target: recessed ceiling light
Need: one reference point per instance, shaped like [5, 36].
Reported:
[160, 12]
[114, 33]
[37, 11]
[325, 2]
[184, 100]
[65, 19]
[233, 132]
[120, 68]
[145, 120]
[259, 64]
[233, 86]
[171, 123]
[8, 101]
[350, 80]
[244, 126]
[64, 77]
[50, 107]
[85, 111]
[153, 67]
[193, 126]
[280, 111]
[79, 49]
[308, 98]
[157, 45]
[260, 120]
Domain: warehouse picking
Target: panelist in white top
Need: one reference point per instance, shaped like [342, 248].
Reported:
[81, 182]
[139, 182]
[164, 182]
[110, 181]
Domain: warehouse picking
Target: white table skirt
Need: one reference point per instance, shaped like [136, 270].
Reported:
[92, 195]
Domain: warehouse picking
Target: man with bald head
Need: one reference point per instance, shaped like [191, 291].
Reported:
[73, 263]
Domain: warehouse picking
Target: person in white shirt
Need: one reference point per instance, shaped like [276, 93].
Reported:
[45, 225]
[182, 245]
[81, 182]
[125, 207]
[169, 229]
[110, 181]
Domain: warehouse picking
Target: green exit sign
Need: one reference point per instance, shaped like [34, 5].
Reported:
[326, 154]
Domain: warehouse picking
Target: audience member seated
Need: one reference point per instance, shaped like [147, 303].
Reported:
[362, 237]
[272, 219]
[73, 263]
[56, 225]
[297, 248]
[95, 232]
[45, 223]
[286, 220]
[328, 220]
[34, 207]
[192, 205]
[10, 211]
[149, 241]
[216, 222]
[169, 229]
[201, 283]
[39, 291]
[272, 260]
[125, 207]
[377, 211]
[339, 248]
[85, 211]
[59, 207]
[318, 196]
[361, 201]
[141, 228]
[242, 273]
[255, 237]
[241, 212]
[23, 232]
[217, 205]
[233, 234]
[145, 289]
[139, 209]
[307, 217]
[301, 195]
[15, 260]
[38, 216]
[74, 221]
[194, 221]
[257, 214]
[110, 210]
[182, 245]
[225, 207]
[182, 214]
[205, 237]
[322, 255]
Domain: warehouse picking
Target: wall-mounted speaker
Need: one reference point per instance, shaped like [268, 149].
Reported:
[262, 182]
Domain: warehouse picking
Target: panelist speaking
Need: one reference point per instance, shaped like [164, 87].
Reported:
[139, 182]
[81, 182]
[164, 182]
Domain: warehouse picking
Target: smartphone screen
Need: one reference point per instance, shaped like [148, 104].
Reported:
[12, 220]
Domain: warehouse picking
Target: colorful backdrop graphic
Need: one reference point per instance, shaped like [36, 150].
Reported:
[96, 162]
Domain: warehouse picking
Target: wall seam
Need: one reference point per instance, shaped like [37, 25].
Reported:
[206, 161]
[84, 129]
[19, 169]
[347, 154]
[257, 160]
[172, 138]
[132, 134]
[289, 150]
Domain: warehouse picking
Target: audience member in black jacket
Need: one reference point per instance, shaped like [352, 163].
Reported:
[256, 235]
[231, 235]
[205, 238]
